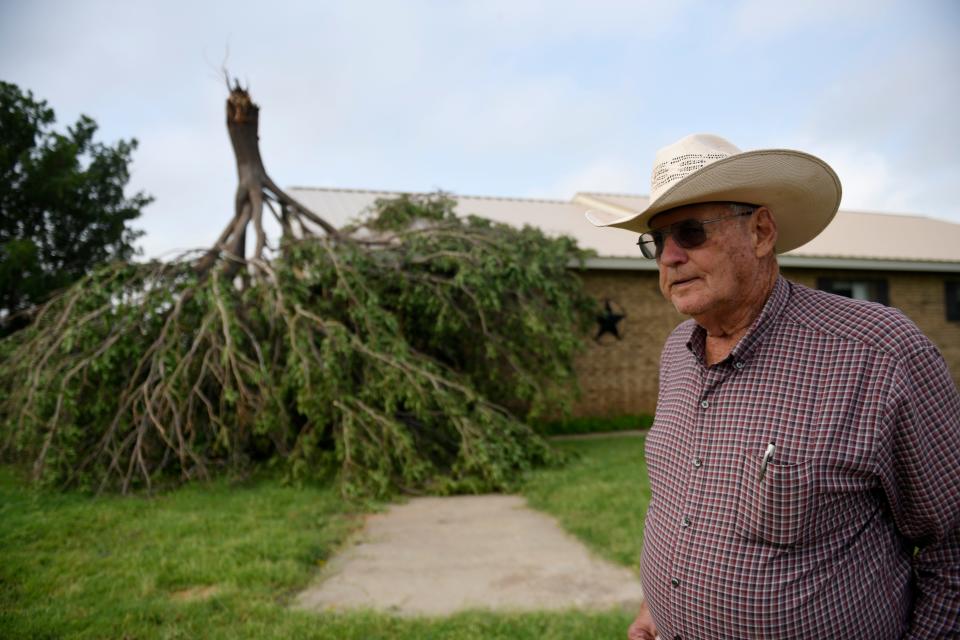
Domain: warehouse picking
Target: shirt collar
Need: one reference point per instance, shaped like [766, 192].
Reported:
[772, 310]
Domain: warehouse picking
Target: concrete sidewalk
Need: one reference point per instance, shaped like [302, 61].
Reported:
[437, 556]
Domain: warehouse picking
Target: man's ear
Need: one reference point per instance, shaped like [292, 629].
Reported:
[763, 231]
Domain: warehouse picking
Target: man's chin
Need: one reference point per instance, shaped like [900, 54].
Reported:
[687, 305]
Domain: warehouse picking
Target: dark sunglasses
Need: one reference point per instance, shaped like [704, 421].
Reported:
[686, 233]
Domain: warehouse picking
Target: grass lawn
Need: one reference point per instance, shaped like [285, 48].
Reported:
[600, 496]
[224, 560]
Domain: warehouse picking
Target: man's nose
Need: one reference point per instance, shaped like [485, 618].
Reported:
[672, 253]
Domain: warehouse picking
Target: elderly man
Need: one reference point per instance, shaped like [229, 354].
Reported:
[805, 458]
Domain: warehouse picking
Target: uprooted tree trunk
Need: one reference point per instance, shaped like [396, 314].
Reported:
[404, 352]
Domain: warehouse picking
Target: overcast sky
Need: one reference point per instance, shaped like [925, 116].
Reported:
[523, 98]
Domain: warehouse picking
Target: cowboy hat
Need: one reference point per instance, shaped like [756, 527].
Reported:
[801, 190]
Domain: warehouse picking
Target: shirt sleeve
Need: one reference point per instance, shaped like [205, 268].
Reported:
[920, 475]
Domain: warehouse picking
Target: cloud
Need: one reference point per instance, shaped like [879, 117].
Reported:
[542, 112]
[873, 182]
[535, 20]
[765, 20]
[606, 175]
[191, 174]
[865, 176]
[905, 99]
[892, 120]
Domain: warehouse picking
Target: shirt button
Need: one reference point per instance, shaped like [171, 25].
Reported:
[675, 583]
[705, 404]
[685, 522]
[697, 462]
[738, 365]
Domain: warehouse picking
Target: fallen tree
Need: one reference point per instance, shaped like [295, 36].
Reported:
[407, 351]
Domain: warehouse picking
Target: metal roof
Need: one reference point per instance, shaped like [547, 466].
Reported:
[854, 239]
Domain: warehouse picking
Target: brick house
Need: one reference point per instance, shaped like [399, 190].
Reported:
[909, 262]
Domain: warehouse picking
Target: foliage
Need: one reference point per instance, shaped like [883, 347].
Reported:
[62, 205]
[406, 353]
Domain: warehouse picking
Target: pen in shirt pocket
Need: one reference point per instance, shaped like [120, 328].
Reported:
[767, 456]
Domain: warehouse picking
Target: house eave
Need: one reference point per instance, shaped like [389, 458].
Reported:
[795, 262]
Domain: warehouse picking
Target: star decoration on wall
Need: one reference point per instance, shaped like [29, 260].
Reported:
[607, 321]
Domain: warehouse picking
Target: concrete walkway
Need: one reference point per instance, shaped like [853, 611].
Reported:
[437, 556]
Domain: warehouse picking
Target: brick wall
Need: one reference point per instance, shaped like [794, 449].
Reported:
[619, 377]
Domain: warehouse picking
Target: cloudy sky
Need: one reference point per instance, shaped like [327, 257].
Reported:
[528, 98]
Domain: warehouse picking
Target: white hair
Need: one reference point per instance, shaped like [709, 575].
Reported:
[741, 209]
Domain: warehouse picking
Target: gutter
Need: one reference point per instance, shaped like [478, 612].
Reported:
[794, 262]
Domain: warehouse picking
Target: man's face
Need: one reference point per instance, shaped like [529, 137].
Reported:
[713, 279]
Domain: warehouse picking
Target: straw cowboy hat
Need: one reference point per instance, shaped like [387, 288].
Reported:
[801, 190]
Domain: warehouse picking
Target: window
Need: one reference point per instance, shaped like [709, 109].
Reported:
[872, 289]
[952, 302]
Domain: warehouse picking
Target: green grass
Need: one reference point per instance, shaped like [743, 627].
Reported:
[223, 560]
[575, 426]
[600, 496]
[71, 565]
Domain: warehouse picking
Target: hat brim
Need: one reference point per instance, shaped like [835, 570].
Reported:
[801, 191]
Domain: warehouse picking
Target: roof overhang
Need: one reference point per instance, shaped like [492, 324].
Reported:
[854, 241]
[794, 262]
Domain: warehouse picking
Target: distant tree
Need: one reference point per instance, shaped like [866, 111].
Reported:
[62, 203]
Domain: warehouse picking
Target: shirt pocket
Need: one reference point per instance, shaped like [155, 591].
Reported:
[775, 509]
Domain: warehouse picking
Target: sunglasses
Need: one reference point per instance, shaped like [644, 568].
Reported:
[688, 234]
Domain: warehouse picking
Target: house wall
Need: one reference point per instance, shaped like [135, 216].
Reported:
[619, 377]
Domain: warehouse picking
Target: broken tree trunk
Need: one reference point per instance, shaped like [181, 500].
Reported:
[255, 189]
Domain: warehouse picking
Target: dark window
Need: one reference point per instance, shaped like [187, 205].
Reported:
[873, 289]
[952, 302]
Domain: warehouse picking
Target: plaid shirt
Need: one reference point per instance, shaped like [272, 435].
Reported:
[865, 421]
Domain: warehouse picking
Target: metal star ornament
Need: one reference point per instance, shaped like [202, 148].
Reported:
[607, 321]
